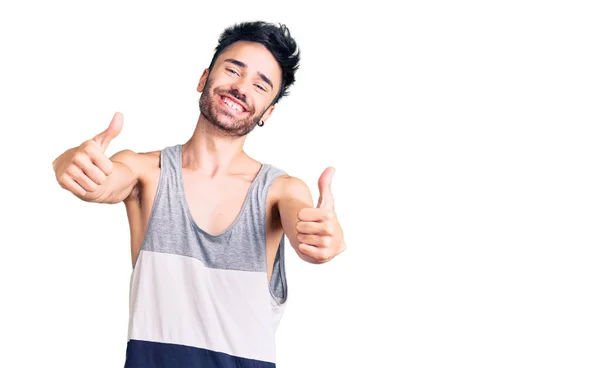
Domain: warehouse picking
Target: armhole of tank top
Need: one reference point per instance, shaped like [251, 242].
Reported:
[282, 275]
[157, 196]
[280, 251]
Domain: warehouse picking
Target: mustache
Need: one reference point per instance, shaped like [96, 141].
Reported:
[235, 94]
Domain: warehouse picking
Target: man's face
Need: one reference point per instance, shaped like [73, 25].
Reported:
[240, 88]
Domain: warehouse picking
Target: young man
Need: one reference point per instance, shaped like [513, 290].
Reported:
[208, 222]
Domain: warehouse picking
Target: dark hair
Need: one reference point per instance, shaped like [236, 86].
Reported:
[276, 39]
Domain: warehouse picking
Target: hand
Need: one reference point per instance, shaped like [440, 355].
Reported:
[319, 232]
[82, 169]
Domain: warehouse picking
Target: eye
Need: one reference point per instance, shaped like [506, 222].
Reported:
[261, 87]
[232, 71]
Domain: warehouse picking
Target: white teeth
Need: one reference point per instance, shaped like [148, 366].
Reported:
[232, 104]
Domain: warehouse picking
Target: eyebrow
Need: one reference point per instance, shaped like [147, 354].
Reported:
[243, 65]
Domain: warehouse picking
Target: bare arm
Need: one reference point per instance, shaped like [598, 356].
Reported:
[294, 196]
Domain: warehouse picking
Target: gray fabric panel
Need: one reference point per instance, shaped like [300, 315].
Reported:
[240, 247]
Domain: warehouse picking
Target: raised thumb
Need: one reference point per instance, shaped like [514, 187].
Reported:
[326, 197]
[113, 130]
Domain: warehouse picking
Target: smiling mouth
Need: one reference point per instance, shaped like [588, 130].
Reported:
[232, 104]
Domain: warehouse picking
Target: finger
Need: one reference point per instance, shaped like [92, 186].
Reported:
[80, 178]
[314, 228]
[314, 240]
[113, 130]
[99, 159]
[315, 214]
[316, 253]
[94, 174]
[85, 164]
[325, 195]
[70, 185]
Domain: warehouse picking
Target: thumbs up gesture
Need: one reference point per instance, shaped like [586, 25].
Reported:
[81, 170]
[320, 235]
[114, 128]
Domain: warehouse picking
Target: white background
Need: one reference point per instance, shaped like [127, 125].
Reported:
[464, 134]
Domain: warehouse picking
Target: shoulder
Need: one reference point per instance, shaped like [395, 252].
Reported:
[287, 186]
[145, 167]
[138, 162]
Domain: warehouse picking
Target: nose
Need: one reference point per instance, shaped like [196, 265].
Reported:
[240, 88]
[237, 93]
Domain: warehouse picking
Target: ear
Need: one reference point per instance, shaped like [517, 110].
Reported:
[267, 113]
[202, 81]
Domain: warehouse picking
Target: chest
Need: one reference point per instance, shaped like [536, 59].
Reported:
[215, 204]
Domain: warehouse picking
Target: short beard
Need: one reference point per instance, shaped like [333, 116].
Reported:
[208, 109]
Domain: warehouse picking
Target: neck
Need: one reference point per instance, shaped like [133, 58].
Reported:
[211, 150]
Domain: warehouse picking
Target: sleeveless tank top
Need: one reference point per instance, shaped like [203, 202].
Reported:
[203, 300]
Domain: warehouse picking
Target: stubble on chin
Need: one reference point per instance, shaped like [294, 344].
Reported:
[209, 108]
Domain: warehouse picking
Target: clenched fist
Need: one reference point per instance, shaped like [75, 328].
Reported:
[81, 170]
